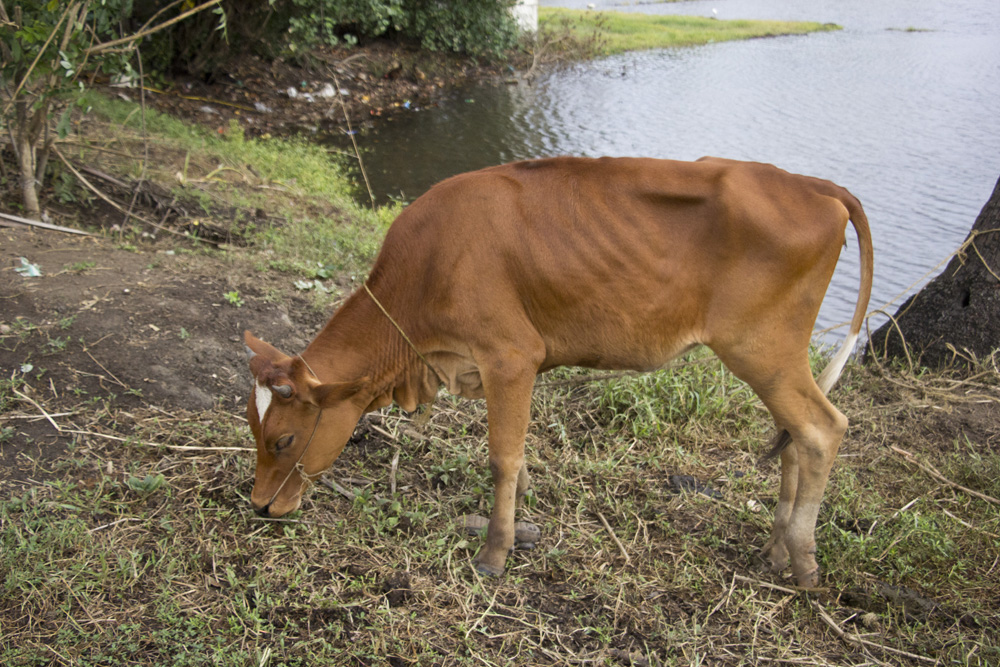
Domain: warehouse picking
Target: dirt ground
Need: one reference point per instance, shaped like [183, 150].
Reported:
[134, 326]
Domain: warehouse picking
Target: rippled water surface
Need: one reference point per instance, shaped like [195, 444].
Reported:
[902, 107]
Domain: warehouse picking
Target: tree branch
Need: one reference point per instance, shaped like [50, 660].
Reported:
[149, 31]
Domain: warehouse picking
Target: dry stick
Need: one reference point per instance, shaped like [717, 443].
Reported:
[933, 472]
[110, 201]
[902, 338]
[854, 639]
[120, 383]
[392, 472]
[40, 409]
[969, 525]
[763, 584]
[188, 448]
[182, 448]
[621, 547]
[162, 11]
[198, 98]
[114, 523]
[334, 486]
[28, 222]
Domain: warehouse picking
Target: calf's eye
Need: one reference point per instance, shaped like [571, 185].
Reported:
[283, 443]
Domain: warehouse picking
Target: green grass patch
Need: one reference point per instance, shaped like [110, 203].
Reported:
[287, 197]
[617, 32]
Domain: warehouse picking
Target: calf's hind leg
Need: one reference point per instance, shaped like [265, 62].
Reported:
[775, 549]
[816, 428]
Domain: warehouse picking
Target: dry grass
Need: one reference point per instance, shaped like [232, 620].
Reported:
[145, 551]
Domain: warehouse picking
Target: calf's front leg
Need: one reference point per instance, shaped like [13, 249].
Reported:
[508, 403]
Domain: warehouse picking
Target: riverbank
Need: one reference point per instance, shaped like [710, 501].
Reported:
[355, 86]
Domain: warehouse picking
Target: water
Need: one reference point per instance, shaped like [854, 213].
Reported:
[906, 120]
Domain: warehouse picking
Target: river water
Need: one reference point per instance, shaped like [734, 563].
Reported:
[902, 107]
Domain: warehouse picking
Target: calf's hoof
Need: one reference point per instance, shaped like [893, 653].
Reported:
[776, 554]
[526, 535]
[488, 570]
[474, 525]
[809, 579]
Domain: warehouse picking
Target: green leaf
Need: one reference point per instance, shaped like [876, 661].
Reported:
[63, 127]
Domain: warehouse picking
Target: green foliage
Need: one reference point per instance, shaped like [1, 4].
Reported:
[45, 47]
[476, 27]
[333, 21]
[234, 299]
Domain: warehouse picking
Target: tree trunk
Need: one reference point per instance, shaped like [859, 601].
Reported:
[954, 319]
[29, 125]
[25, 147]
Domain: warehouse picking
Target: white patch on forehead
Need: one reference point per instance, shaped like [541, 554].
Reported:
[263, 397]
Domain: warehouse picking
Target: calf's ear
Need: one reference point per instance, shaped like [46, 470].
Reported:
[331, 394]
[262, 357]
[255, 346]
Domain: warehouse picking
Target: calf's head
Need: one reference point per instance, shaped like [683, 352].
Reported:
[300, 424]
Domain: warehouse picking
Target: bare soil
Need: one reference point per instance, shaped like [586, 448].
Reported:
[134, 326]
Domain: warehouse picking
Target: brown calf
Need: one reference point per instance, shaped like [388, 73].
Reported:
[495, 276]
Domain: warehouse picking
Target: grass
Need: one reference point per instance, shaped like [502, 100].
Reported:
[617, 32]
[288, 199]
[140, 554]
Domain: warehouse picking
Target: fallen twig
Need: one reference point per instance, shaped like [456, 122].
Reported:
[114, 523]
[159, 445]
[621, 547]
[854, 639]
[933, 472]
[40, 409]
[764, 584]
[90, 186]
[16, 220]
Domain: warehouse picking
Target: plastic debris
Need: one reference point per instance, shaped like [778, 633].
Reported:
[306, 285]
[328, 91]
[27, 269]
